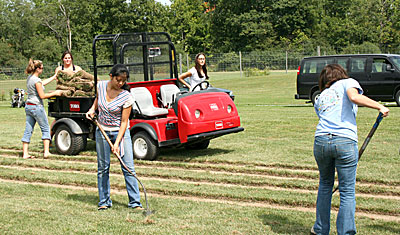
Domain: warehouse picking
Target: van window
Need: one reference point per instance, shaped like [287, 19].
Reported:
[379, 65]
[315, 66]
[396, 60]
[357, 65]
[343, 62]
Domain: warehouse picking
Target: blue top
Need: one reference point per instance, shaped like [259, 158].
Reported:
[336, 113]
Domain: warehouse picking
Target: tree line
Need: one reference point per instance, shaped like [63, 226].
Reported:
[43, 29]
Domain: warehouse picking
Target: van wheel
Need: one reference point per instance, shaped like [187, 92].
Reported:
[397, 98]
[315, 96]
[144, 147]
[67, 142]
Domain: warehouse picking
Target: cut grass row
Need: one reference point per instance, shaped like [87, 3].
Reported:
[205, 176]
[190, 187]
[175, 169]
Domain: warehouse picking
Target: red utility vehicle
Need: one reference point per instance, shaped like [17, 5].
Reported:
[164, 115]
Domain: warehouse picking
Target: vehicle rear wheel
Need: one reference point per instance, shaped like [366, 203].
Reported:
[197, 146]
[67, 142]
[144, 147]
[397, 98]
[315, 96]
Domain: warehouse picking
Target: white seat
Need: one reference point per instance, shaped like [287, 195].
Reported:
[168, 94]
[144, 100]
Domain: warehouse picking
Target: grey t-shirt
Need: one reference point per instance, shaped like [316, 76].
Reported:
[33, 96]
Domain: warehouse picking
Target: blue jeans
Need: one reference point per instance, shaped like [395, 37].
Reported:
[103, 166]
[36, 113]
[332, 152]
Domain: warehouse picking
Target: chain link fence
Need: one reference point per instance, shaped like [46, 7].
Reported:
[274, 59]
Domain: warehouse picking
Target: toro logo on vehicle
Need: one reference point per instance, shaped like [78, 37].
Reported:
[219, 125]
[214, 107]
[74, 106]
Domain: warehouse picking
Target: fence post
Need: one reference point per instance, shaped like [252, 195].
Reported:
[187, 61]
[318, 51]
[240, 63]
[286, 61]
[180, 63]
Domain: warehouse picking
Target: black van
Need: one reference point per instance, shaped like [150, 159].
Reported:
[378, 75]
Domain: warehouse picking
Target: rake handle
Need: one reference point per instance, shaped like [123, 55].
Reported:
[120, 160]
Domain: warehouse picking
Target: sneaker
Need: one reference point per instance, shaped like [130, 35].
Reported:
[312, 231]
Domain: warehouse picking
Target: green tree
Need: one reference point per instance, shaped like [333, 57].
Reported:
[191, 25]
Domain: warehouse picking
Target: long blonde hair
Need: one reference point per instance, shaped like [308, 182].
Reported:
[33, 65]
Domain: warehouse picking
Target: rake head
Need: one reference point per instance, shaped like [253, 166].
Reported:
[148, 212]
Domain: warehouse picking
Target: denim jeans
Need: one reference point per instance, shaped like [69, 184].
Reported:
[103, 166]
[36, 113]
[332, 152]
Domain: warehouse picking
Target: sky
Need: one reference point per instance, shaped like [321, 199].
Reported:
[164, 2]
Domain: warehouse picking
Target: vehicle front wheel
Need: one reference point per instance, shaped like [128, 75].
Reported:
[67, 142]
[144, 147]
[315, 96]
[397, 98]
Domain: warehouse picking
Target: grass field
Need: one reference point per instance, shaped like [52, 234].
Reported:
[260, 181]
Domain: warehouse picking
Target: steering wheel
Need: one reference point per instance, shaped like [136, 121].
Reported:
[181, 93]
[201, 86]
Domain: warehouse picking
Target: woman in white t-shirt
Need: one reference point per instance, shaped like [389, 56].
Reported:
[196, 74]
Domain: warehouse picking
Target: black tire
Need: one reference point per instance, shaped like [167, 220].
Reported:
[197, 146]
[144, 147]
[67, 142]
[397, 98]
[315, 96]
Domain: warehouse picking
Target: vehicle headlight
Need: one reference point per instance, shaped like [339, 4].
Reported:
[229, 109]
[197, 113]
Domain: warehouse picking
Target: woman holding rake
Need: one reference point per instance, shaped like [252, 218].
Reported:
[114, 104]
[335, 146]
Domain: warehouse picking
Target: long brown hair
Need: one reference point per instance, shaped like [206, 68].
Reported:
[33, 65]
[199, 67]
[331, 74]
[66, 53]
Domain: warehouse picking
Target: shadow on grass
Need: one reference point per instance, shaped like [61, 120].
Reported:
[283, 225]
[91, 199]
[175, 154]
[182, 154]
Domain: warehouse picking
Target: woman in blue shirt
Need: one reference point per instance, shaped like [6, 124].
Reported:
[335, 146]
